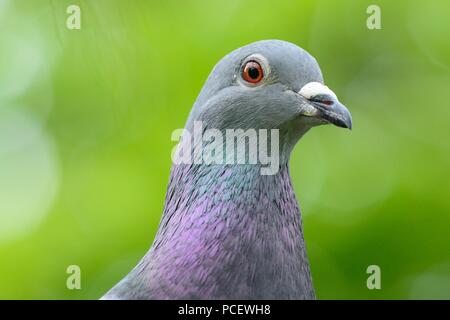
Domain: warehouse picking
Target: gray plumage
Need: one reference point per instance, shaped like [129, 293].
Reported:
[228, 232]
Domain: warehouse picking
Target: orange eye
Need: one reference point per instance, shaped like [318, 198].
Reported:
[252, 72]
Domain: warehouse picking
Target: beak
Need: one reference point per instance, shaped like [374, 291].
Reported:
[327, 104]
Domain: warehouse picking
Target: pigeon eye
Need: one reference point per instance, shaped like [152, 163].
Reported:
[252, 72]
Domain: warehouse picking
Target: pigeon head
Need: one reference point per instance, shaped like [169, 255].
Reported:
[269, 84]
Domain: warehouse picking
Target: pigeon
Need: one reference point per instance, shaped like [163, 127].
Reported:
[228, 231]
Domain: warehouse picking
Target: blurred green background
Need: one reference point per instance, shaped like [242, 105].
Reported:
[86, 118]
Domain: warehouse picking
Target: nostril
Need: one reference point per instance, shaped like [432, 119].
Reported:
[322, 100]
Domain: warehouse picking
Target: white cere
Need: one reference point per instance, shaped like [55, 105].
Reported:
[312, 89]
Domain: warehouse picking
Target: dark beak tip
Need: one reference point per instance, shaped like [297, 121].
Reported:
[333, 111]
[350, 125]
[346, 124]
[347, 121]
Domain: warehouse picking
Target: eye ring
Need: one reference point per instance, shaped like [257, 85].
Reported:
[252, 72]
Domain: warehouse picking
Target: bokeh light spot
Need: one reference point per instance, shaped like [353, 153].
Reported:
[28, 173]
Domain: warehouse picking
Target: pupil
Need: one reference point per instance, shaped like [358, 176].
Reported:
[253, 73]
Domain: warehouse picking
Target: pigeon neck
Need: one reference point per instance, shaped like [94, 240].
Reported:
[228, 189]
[205, 193]
[233, 231]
